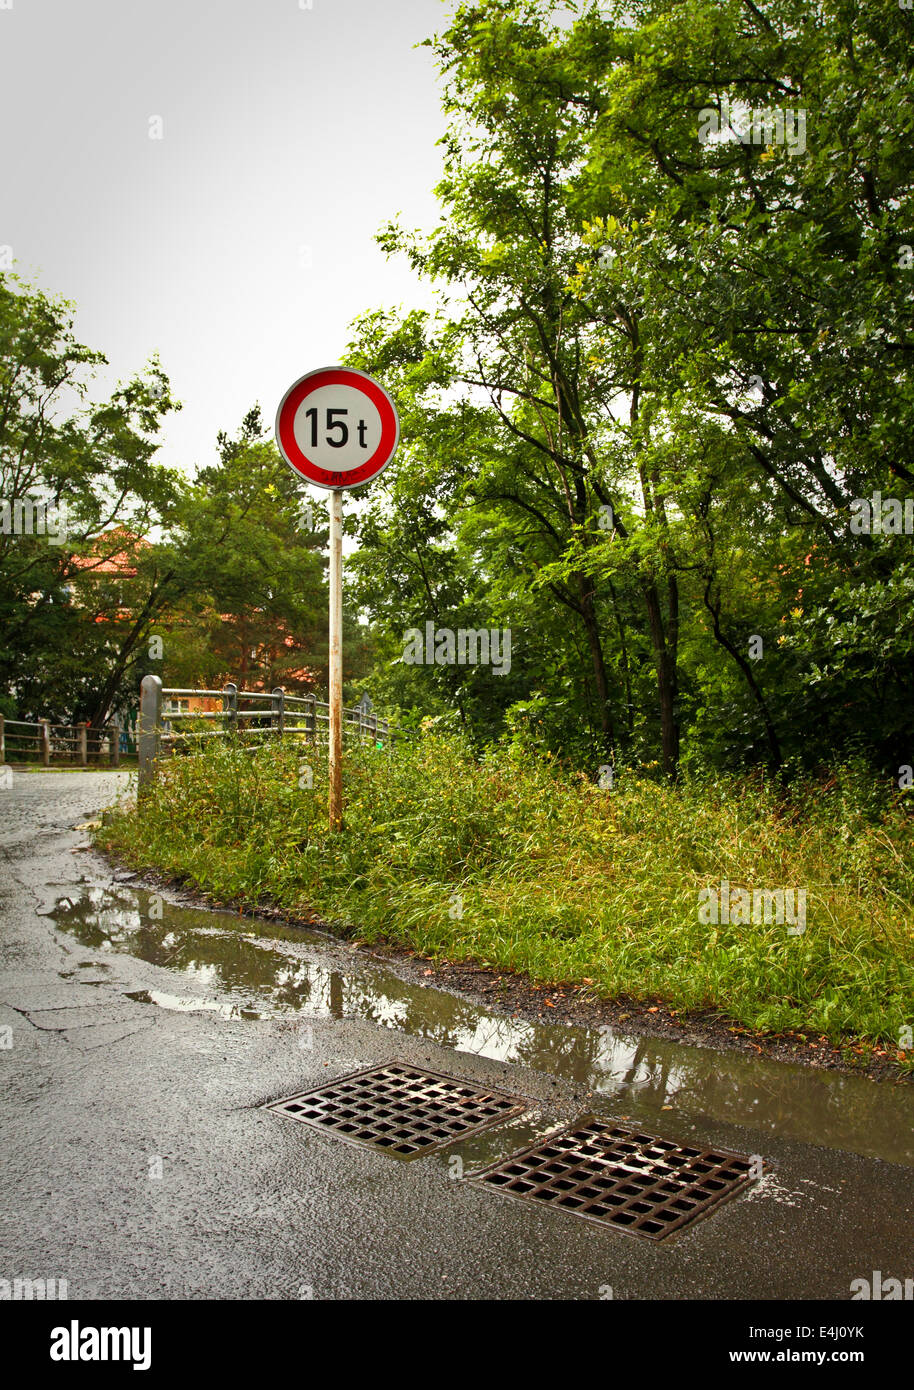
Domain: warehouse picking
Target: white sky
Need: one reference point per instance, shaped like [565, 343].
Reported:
[290, 135]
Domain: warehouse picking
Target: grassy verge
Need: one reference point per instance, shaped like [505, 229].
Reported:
[519, 865]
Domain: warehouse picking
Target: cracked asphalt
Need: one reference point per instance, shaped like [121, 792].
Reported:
[138, 1162]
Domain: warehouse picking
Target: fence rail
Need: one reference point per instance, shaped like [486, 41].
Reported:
[46, 743]
[278, 714]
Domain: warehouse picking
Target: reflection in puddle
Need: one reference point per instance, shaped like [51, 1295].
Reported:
[243, 968]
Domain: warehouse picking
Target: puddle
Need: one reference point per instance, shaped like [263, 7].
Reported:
[244, 968]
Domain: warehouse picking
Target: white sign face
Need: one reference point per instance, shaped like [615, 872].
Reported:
[337, 427]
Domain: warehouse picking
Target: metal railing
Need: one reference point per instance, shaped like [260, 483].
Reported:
[47, 744]
[248, 714]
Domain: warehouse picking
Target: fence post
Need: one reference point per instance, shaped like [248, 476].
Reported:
[365, 708]
[114, 741]
[2, 740]
[230, 707]
[45, 739]
[149, 731]
[83, 745]
[278, 710]
[313, 717]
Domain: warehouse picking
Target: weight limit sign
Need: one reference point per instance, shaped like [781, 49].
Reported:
[337, 428]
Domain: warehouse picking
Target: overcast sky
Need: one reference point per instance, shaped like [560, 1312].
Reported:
[240, 245]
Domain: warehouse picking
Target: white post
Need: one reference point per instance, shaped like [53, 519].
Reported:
[335, 748]
[149, 729]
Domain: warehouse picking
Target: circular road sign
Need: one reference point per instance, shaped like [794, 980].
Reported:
[337, 428]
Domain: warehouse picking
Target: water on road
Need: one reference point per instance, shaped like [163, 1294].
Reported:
[255, 969]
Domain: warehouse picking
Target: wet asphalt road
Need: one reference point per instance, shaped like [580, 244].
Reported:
[137, 1162]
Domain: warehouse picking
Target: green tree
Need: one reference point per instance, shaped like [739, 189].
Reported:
[666, 366]
[249, 590]
[92, 467]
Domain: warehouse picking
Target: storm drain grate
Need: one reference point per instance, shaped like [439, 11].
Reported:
[622, 1178]
[401, 1109]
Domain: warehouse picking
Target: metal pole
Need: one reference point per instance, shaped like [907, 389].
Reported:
[114, 741]
[230, 707]
[335, 748]
[278, 710]
[46, 742]
[83, 743]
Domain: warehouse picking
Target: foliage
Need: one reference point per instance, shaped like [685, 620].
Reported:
[59, 653]
[198, 581]
[514, 861]
[661, 372]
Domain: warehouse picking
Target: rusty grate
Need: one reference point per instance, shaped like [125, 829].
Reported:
[401, 1109]
[622, 1178]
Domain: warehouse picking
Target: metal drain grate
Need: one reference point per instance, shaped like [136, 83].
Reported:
[401, 1109]
[621, 1177]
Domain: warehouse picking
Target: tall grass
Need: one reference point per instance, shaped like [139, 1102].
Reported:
[514, 862]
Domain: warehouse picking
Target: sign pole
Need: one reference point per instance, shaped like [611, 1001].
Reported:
[335, 749]
[337, 428]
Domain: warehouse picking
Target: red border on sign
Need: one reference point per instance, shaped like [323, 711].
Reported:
[328, 477]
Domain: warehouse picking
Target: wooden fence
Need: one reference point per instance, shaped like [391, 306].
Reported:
[164, 727]
[49, 744]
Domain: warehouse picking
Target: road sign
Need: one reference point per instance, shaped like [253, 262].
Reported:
[337, 428]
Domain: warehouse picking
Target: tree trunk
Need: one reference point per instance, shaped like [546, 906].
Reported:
[626, 670]
[665, 663]
[742, 662]
[591, 627]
